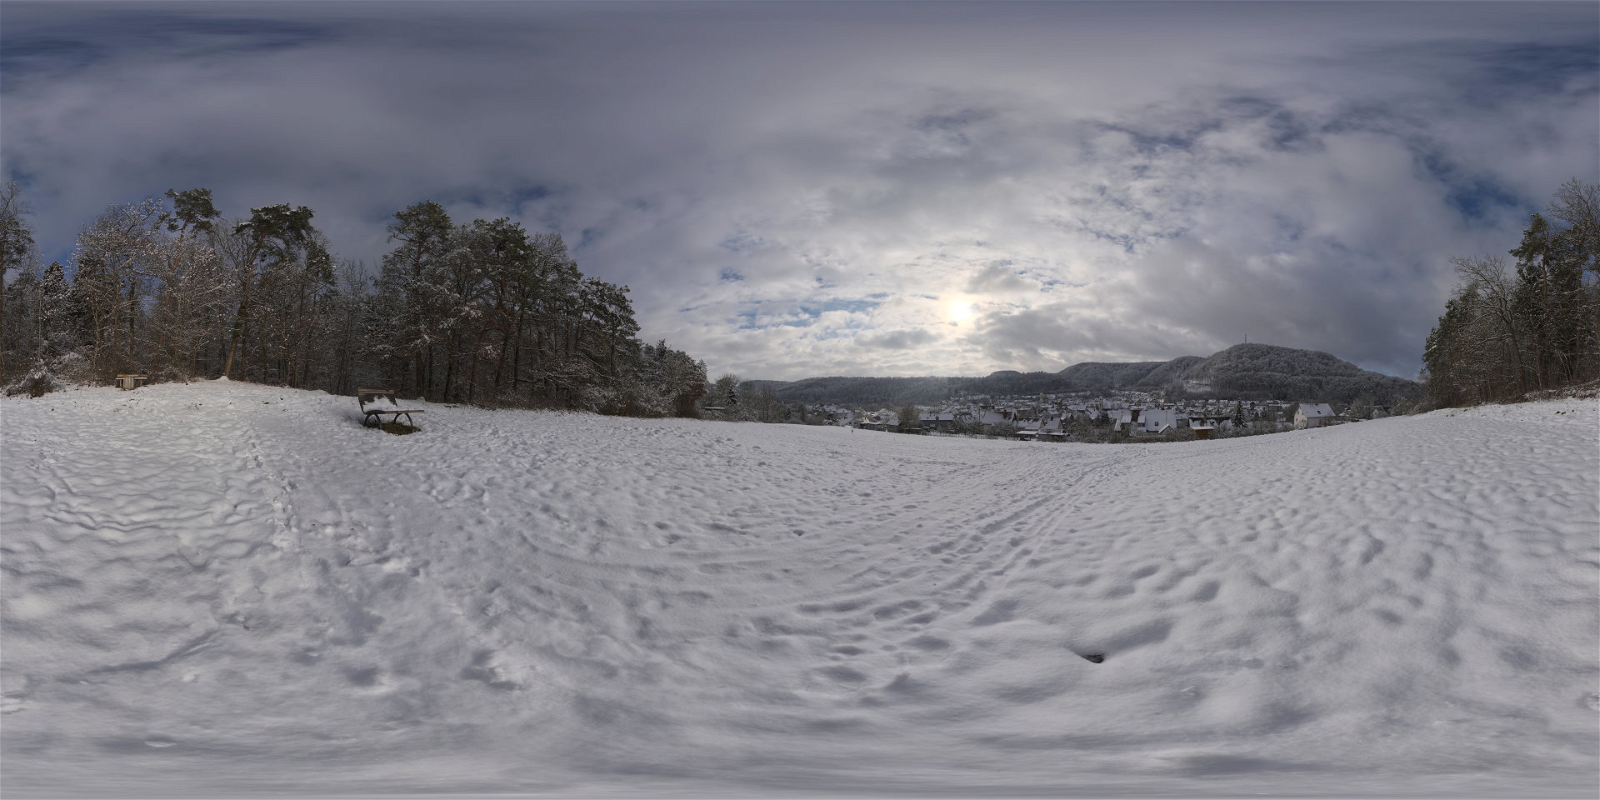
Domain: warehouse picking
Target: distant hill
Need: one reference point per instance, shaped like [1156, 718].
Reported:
[1283, 373]
[1168, 374]
[1093, 376]
[1246, 371]
[891, 392]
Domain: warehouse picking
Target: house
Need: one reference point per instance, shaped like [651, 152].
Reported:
[993, 420]
[1121, 419]
[1312, 415]
[1157, 421]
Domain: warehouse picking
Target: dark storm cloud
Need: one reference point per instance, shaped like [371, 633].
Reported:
[796, 189]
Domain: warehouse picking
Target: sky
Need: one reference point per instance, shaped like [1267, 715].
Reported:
[799, 189]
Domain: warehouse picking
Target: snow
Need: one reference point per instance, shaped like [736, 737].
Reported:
[210, 591]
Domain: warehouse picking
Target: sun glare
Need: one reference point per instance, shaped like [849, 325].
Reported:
[960, 311]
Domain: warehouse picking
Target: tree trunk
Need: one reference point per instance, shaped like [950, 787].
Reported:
[240, 320]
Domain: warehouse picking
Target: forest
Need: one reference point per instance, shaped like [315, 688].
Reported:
[1527, 326]
[483, 313]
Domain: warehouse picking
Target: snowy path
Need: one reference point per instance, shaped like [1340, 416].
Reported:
[229, 589]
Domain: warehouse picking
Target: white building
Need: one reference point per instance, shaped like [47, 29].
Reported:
[1312, 415]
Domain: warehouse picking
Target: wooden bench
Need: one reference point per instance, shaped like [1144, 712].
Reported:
[377, 402]
[131, 381]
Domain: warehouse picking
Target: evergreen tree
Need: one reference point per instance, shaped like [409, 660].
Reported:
[272, 234]
[412, 271]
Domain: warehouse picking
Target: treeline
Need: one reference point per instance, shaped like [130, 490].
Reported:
[1531, 325]
[884, 392]
[481, 313]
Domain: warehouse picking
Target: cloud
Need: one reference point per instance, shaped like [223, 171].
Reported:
[790, 189]
[895, 340]
[999, 277]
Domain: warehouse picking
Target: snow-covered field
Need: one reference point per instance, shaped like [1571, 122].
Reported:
[227, 589]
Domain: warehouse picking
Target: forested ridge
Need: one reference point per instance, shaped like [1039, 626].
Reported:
[1532, 325]
[482, 312]
[1245, 371]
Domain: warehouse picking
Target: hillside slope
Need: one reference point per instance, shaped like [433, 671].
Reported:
[231, 590]
[1105, 377]
[1266, 371]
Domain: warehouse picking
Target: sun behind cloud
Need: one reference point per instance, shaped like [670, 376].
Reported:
[960, 310]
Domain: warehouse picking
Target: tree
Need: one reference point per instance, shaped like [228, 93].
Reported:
[1549, 301]
[189, 285]
[1361, 408]
[726, 390]
[1578, 205]
[117, 259]
[908, 419]
[484, 312]
[16, 242]
[1503, 334]
[763, 405]
[271, 234]
[1486, 279]
[679, 378]
[413, 270]
[16, 237]
[191, 211]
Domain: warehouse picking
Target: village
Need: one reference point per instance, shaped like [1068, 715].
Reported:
[1079, 417]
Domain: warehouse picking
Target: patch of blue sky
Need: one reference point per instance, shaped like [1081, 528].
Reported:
[1154, 142]
[38, 43]
[1475, 197]
[799, 316]
[1533, 68]
[24, 177]
[1048, 284]
[22, 57]
[520, 196]
[740, 242]
[1288, 228]
[825, 334]
[513, 200]
[1482, 200]
[754, 322]
[852, 306]
[1127, 241]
